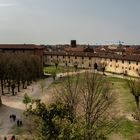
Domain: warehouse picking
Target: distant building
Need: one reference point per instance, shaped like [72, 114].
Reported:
[29, 49]
[114, 62]
[124, 60]
[73, 43]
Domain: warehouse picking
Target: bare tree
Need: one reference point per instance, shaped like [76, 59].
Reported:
[134, 86]
[69, 93]
[56, 62]
[75, 64]
[97, 100]
[89, 98]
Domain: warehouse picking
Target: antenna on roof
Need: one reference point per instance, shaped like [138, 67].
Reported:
[120, 42]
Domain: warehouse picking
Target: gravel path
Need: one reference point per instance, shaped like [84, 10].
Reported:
[14, 105]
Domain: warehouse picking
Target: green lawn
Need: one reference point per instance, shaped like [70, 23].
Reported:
[59, 69]
[127, 128]
[126, 104]
[121, 88]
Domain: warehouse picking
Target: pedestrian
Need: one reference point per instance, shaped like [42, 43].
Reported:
[13, 138]
[18, 123]
[5, 138]
[10, 118]
[14, 118]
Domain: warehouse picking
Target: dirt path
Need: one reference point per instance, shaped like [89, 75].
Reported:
[14, 105]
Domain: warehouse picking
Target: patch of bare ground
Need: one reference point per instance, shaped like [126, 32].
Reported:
[14, 105]
[116, 137]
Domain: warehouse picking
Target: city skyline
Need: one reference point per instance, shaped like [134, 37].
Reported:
[59, 21]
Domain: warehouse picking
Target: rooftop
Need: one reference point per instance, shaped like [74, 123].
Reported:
[20, 46]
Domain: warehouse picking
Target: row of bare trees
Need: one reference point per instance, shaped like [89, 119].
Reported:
[17, 70]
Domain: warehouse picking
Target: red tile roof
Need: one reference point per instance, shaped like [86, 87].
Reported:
[76, 49]
[99, 55]
[20, 46]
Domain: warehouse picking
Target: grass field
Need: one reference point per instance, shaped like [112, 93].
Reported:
[59, 69]
[125, 106]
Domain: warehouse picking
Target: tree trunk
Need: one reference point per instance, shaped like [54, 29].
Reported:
[4, 81]
[88, 133]
[13, 89]
[137, 101]
[18, 83]
[2, 87]
[9, 84]
[23, 84]
[0, 101]
[28, 83]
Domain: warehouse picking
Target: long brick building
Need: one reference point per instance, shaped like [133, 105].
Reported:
[29, 49]
[121, 60]
[116, 60]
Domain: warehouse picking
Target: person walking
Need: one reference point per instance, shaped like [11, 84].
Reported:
[18, 123]
[14, 118]
[5, 138]
[13, 138]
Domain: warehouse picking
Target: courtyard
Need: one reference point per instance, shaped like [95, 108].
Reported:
[123, 107]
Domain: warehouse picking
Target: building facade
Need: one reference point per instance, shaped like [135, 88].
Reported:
[121, 64]
[29, 49]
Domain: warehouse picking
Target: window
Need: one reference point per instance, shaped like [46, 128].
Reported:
[82, 57]
[136, 63]
[69, 57]
[89, 58]
[110, 65]
[51, 56]
[129, 68]
[89, 65]
[133, 68]
[116, 60]
[110, 60]
[122, 67]
[63, 56]
[122, 61]
[129, 62]
[136, 69]
[75, 57]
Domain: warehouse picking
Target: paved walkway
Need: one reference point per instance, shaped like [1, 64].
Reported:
[93, 71]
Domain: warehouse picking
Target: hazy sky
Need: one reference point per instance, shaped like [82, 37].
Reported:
[59, 21]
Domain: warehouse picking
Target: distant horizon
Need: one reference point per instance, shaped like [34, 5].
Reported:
[66, 44]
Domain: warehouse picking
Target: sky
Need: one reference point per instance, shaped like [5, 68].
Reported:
[59, 21]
